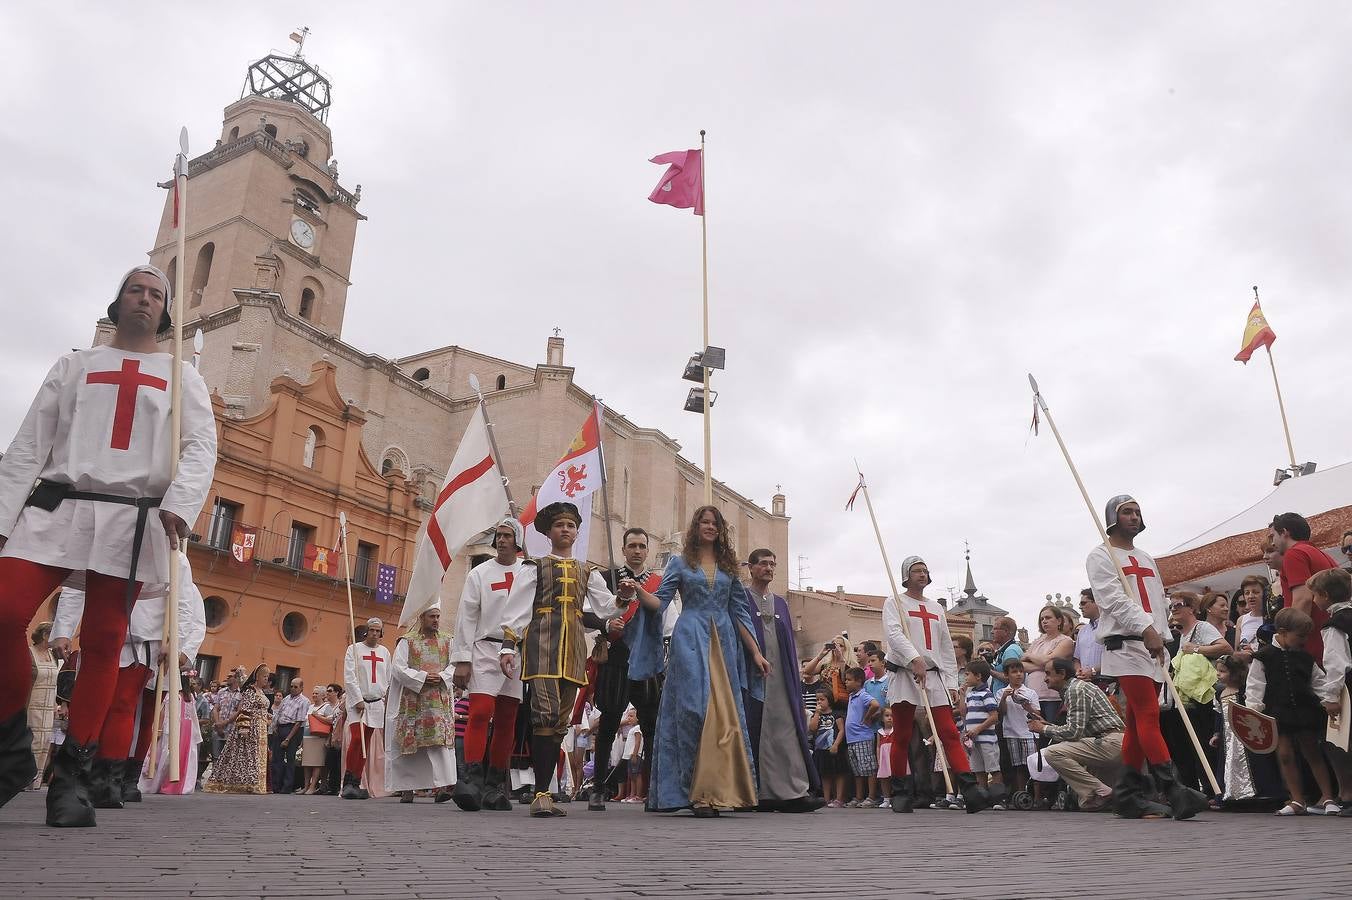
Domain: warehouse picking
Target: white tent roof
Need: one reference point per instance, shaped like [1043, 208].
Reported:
[1310, 495]
[1307, 495]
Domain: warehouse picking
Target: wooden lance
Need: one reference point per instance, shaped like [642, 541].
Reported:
[1121, 576]
[351, 616]
[905, 626]
[169, 658]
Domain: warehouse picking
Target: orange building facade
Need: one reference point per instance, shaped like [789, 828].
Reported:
[282, 478]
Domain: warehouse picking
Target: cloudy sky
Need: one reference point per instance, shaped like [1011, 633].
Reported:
[910, 207]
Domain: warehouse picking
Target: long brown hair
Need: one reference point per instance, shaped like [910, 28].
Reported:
[724, 554]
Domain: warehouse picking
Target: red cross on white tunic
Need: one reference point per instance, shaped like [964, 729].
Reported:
[925, 617]
[374, 658]
[1141, 573]
[505, 584]
[128, 380]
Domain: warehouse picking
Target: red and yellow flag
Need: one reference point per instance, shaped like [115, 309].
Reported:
[1256, 334]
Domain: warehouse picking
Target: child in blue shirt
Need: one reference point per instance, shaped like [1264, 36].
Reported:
[861, 740]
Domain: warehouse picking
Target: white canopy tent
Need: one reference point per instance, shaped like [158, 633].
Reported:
[1221, 557]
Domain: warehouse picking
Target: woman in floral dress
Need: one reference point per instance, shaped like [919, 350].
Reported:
[243, 763]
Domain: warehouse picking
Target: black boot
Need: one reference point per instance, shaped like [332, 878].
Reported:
[352, 789]
[105, 783]
[131, 774]
[1184, 802]
[469, 790]
[68, 803]
[596, 802]
[903, 798]
[1132, 798]
[18, 768]
[495, 791]
[974, 797]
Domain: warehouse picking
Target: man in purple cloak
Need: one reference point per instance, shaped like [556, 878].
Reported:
[787, 777]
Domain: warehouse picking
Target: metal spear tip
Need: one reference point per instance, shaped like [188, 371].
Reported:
[198, 342]
[183, 140]
[342, 520]
[1033, 381]
[474, 383]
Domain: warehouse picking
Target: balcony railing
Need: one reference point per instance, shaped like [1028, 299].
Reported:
[276, 549]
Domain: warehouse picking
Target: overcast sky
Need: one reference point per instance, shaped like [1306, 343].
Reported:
[910, 207]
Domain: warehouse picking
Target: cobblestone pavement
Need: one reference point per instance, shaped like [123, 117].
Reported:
[296, 847]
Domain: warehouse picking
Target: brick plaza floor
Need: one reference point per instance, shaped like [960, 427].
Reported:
[295, 847]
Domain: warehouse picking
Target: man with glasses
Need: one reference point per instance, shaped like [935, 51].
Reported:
[1347, 549]
[1088, 647]
[291, 719]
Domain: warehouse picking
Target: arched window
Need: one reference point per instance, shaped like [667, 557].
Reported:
[422, 375]
[306, 200]
[502, 382]
[234, 134]
[314, 442]
[386, 467]
[202, 273]
[216, 610]
[311, 296]
[307, 304]
[294, 627]
[393, 460]
[271, 131]
[172, 272]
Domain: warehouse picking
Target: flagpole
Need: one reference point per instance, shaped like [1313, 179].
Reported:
[351, 616]
[605, 494]
[704, 248]
[493, 444]
[905, 627]
[1290, 448]
[1121, 576]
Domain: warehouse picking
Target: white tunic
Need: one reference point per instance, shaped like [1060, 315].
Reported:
[430, 767]
[359, 686]
[483, 609]
[924, 634]
[1128, 615]
[1330, 676]
[146, 629]
[100, 423]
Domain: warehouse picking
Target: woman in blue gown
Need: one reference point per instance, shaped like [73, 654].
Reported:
[701, 753]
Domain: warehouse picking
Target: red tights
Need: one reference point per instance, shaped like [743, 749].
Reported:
[1142, 740]
[355, 761]
[903, 718]
[115, 737]
[501, 711]
[24, 586]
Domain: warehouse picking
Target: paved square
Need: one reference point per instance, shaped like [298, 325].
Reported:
[296, 847]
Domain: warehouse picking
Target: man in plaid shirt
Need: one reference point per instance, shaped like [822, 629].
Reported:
[1092, 735]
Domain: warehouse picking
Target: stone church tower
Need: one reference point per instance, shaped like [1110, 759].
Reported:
[266, 210]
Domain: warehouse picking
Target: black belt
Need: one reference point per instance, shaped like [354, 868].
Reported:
[494, 640]
[49, 494]
[1115, 641]
[893, 667]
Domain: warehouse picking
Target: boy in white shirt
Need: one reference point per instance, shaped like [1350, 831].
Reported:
[1017, 701]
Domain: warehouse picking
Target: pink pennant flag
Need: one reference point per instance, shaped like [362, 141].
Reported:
[682, 184]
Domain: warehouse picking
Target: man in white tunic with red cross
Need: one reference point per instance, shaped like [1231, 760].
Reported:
[494, 697]
[366, 679]
[104, 514]
[919, 655]
[1131, 627]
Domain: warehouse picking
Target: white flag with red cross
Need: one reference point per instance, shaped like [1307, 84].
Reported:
[573, 480]
[472, 500]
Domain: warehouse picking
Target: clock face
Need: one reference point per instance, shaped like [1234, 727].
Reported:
[303, 233]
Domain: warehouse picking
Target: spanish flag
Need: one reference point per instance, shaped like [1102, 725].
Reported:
[1256, 334]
